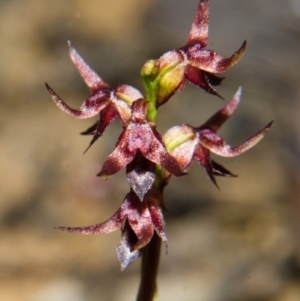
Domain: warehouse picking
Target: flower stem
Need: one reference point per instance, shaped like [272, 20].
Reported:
[149, 269]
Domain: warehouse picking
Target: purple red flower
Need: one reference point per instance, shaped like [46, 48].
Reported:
[138, 221]
[192, 62]
[186, 142]
[106, 101]
[139, 140]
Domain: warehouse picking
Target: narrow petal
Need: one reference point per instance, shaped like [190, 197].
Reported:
[143, 136]
[91, 78]
[118, 106]
[157, 153]
[95, 103]
[213, 79]
[201, 79]
[217, 145]
[90, 108]
[217, 120]
[202, 155]
[108, 226]
[140, 221]
[139, 111]
[155, 202]
[219, 170]
[122, 109]
[91, 130]
[129, 142]
[119, 158]
[144, 231]
[199, 30]
[107, 115]
[158, 222]
[210, 61]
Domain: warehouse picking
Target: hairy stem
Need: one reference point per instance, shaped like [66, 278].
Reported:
[149, 269]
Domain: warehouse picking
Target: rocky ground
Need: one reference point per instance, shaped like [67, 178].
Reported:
[239, 243]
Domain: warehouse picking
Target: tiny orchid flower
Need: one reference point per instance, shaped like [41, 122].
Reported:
[138, 221]
[186, 142]
[106, 101]
[139, 137]
[191, 62]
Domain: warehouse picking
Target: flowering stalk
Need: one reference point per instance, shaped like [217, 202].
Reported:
[150, 158]
[149, 269]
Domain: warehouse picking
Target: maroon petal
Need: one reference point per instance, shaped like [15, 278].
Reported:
[136, 135]
[108, 226]
[91, 78]
[143, 229]
[119, 105]
[217, 120]
[219, 170]
[140, 174]
[139, 111]
[119, 158]
[213, 79]
[107, 115]
[122, 109]
[91, 107]
[217, 145]
[139, 220]
[200, 79]
[144, 137]
[157, 153]
[202, 155]
[91, 130]
[210, 61]
[199, 30]
[155, 200]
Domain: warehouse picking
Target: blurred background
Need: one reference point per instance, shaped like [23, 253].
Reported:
[239, 243]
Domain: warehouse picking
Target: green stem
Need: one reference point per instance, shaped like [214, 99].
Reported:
[149, 269]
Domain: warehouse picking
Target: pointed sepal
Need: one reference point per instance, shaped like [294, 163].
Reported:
[90, 77]
[210, 61]
[199, 30]
[90, 107]
[217, 145]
